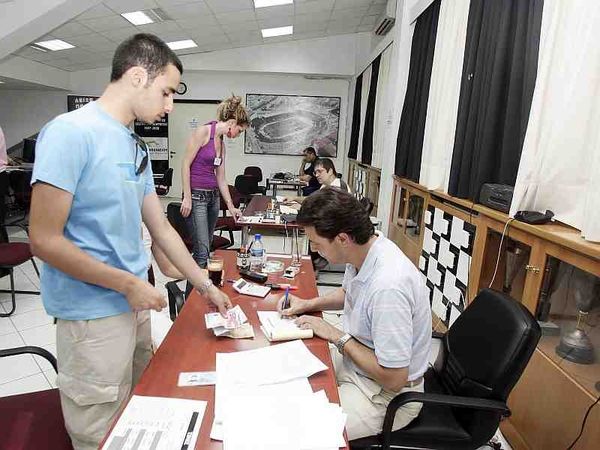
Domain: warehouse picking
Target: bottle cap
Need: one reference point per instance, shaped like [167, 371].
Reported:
[257, 237]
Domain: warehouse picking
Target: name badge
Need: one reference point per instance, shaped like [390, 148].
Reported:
[217, 161]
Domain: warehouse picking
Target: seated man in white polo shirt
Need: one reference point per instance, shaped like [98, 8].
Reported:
[384, 345]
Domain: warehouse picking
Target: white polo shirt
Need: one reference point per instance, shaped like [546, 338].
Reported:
[387, 309]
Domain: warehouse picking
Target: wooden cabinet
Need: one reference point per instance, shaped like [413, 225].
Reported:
[364, 181]
[550, 400]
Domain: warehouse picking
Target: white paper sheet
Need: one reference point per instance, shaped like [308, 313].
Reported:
[277, 328]
[268, 365]
[157, 423]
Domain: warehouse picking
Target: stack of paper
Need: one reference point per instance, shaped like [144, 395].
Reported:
[263, 400]
[234, 325]
[277, 328]
[157, 423]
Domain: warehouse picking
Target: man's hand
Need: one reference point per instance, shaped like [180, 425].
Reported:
[219, 299]
[141, 296]
[186, 207]
[320, 328]
[295, 307]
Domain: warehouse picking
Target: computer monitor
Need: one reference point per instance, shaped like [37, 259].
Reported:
[29, 150]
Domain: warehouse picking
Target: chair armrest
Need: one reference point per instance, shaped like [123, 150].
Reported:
[31, 349]
[482, 404]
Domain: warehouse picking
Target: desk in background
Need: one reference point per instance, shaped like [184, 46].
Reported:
[190, 347]
[293, 183]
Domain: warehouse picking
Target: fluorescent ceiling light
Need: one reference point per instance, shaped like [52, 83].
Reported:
[179, 45]
[55, 45]
[39, 49]
[1, 82]
[280, 31]
[137, 17]
[265, 3]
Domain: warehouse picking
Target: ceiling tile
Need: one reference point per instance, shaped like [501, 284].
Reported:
[70, 29]
[376, 9]
[123, 6]
[369, 20]
[240, 27]
[346, 26]
[310, 27]
[236, 16]
[194, 23]
[245, 38]
[97, 11]
[273, 22]
[106, 23]
[188, 10]
[89, 40]
[158, 28]
[343, 14]
[167, 3]
[121, 34]
[205, 31]
[309, 35]
[275, 11]
[319, 6]
[221, 6]
[271, 40]
[346, 4]
[204, 40]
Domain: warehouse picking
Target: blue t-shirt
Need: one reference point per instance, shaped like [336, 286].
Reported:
[91, 155]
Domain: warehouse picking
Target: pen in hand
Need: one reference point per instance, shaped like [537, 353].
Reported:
[286, 300]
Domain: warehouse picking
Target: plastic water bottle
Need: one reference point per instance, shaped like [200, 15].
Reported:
[257, 252]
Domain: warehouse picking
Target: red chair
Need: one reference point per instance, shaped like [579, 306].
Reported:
[13, 254]
[34, 420]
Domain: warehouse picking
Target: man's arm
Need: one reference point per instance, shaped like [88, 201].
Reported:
[50, 208]
[164, 264]
[169, 241]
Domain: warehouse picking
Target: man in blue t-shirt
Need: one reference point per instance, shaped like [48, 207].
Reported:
[92, 188]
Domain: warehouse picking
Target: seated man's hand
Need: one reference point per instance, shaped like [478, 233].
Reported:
[296, 306]
[320, 327]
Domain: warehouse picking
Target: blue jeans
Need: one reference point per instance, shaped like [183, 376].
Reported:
[203, 218]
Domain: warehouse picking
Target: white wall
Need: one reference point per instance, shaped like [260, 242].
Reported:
[217, 85]
[23, 113]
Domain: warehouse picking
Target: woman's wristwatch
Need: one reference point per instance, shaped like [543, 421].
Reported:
[341, 342]
[204, 286]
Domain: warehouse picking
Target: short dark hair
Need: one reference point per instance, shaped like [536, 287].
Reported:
[333, 211]
[326, 164]
[310, 150]
[144, 50]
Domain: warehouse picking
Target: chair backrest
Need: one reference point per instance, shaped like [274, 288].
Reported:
[167, 179]
[178, 222]
[246, 184]
[176, 299]
[367, 204]
[254, 171]
[486, 350]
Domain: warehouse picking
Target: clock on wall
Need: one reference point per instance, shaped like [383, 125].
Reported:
[181, 88]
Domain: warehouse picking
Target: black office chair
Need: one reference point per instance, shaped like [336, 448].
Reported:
[247, 186]
[164, 184]
[256, 173]
[176, 299]
[484, 354]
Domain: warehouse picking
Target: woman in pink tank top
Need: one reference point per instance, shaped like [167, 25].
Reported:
[203, 174]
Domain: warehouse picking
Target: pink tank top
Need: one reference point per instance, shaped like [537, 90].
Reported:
[202, 170]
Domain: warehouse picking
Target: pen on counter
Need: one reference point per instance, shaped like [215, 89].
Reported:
[190, 430]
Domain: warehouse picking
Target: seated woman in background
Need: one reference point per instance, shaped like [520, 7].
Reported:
[326, 175]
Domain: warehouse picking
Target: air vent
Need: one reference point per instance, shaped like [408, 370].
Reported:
[158, 14]
[387, 20]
